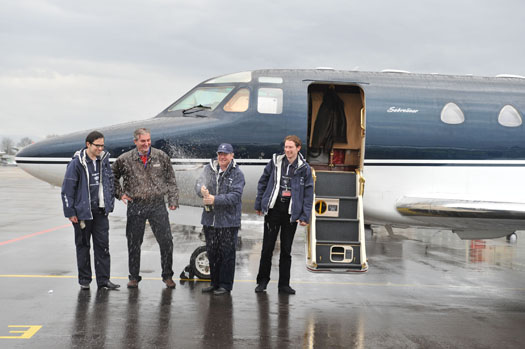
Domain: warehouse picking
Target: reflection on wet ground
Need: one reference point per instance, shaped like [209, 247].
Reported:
[424, 288]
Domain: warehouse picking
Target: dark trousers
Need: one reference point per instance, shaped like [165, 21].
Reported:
[220, 246]
[157, 215]
[274, 222]
[98, 229]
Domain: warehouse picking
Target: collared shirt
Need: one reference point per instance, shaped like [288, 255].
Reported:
[144, 157]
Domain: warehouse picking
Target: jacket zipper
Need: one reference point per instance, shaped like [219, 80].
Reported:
[83, 163]
[216, 192]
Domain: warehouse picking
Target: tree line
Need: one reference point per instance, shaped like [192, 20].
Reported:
[9, 147]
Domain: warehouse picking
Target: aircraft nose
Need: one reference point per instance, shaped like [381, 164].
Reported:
[47, 159]
[27, 152]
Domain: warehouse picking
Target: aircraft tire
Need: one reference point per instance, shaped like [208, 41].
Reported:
[512, 238]
[199, 263]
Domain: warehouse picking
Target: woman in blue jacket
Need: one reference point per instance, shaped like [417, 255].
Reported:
[284, 195]
[87, 198]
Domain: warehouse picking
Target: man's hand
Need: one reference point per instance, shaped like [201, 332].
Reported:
[173, 208]
[73, 219]
[125, 199]
[302, 223]
[204, 191]
[209, 200]
[258, 212]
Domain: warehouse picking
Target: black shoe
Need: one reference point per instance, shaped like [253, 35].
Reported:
[208, 289]
[84, 287]
[169, 283]
[286, 290]
[261, 287]
[133, 284]
[221, 291]
[109, 286]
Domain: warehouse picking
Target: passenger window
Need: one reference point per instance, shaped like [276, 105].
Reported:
[452, 114]
[270, 101]
[509, 117]
[239, 102]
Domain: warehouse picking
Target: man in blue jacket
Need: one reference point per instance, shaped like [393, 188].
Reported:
[221, 185]
[87, 198]
[284, 195]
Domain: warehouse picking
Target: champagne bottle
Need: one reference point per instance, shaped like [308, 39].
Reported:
[205, 193]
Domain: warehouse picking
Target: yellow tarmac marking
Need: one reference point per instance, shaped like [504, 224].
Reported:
[339, 283]
[28, 333]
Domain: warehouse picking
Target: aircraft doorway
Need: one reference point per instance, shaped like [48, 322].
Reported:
[336, 143]
[336, 125]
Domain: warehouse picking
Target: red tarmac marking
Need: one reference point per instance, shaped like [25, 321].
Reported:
[34, 234]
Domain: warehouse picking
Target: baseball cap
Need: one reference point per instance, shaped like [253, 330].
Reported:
[225, 148]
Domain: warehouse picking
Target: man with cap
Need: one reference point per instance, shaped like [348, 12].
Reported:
[220, 185]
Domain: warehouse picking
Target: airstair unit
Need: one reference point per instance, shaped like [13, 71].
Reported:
[336, 144]
[336, 239]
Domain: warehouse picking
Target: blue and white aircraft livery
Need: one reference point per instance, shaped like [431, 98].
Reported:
[435, 150]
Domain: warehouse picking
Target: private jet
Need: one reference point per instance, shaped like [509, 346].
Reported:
[388, 148]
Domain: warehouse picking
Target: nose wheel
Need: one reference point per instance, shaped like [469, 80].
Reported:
[199, 265]
[512, 238]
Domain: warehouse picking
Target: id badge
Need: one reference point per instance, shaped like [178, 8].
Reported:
[286, 194]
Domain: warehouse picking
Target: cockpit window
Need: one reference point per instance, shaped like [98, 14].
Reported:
[509, 117]
[452, 114]
[245, 76]
[271, 79]
[206, 97]
[270, 101]
[239, 102]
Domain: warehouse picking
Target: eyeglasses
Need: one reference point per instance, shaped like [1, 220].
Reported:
[100, 146]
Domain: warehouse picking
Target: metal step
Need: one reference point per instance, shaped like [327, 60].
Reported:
[331, 266]
[337, 230]
[336, 207]
[334, 242]
[336, 184]
[338, 255]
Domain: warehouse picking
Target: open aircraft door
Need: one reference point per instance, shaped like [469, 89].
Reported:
[336, 234]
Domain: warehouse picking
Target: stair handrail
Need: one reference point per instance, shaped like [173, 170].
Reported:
[361, 217]
[311, 229]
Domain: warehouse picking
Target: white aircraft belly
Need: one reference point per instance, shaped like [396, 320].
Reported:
[188, 174]
[388, 187]
[47, 172]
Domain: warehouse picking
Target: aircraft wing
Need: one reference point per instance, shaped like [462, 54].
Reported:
[470, 219]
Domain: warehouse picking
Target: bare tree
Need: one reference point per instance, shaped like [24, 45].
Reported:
[7, 145]
[24, 141]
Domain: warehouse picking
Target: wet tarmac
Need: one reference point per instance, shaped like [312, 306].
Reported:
[424, 289]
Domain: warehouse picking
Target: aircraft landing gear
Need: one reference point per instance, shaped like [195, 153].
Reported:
[199, 265]
[368, 228]
[512, 238]
[389, 229]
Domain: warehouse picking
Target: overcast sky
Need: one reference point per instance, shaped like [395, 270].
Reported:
[72, 65]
